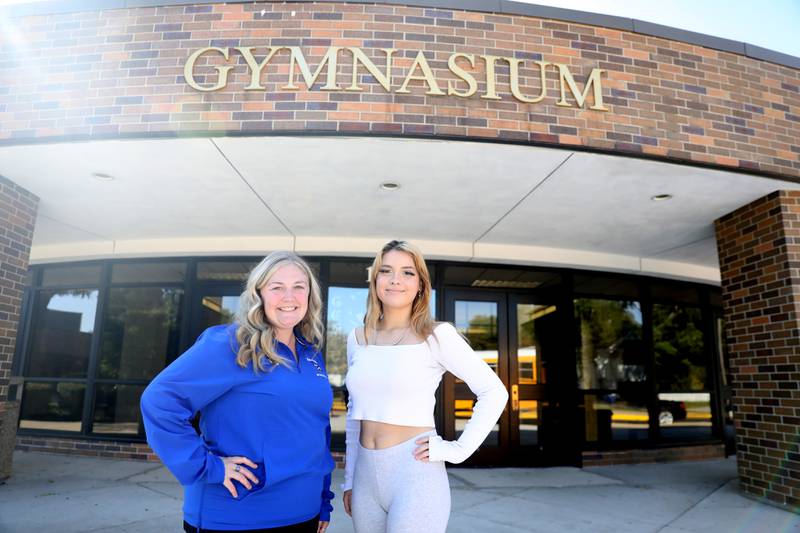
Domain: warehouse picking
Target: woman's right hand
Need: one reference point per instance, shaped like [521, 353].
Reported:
[346, 499]
[235, 470]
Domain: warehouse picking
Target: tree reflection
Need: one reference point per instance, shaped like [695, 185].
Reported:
[678, 344]
[610, 343]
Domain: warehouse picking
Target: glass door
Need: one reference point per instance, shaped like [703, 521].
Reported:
[514, 334]
[534, 328]
[481, 318]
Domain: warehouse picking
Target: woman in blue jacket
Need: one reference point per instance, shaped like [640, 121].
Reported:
[262, 460]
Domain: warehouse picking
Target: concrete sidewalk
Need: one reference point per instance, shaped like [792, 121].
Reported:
[69, 494]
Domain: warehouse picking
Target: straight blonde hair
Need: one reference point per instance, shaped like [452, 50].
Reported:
[255, 335]
[421, 321]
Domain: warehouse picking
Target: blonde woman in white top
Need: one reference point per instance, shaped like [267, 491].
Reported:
[395, 480]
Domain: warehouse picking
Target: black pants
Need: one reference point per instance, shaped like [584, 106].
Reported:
[309, 526]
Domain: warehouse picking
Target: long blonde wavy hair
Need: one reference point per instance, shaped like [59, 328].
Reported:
[421, 321]
[255, 334]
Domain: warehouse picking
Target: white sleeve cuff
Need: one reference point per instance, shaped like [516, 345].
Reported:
[446, 450]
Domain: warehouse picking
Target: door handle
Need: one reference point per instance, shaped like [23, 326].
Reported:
[515, 397]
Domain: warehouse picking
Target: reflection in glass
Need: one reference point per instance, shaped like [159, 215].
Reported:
[534, 322]
[682, 373]
[350, 272]
[610, 362]
[216, 310]
[71, 275]
[477, 321]
[52, 406]
[614, 416]
[61, 338]
[224, 270]
[503, 278]
[158, 272]
[116, 408]
[681, 364]
[530, 416]
[685, 416]
[339, 410]
[610, 344]
[346, 308]
[726, 398]
[536, 333]
[140, 333]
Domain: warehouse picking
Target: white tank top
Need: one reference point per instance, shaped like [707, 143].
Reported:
[397, 385]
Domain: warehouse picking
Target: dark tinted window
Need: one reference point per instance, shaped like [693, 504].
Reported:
[140, 332]
[116, 409]
[61, 337]
[71, 275]
[52, 406]
[148, 273]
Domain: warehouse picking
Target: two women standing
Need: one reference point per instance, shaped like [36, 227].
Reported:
[261, 461]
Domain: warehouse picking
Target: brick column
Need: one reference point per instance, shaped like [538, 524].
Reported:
[759, 255]
[17, 218]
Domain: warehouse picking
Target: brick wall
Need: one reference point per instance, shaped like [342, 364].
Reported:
[759, 252]
[654, 455]
[120, 73]
[17, 218]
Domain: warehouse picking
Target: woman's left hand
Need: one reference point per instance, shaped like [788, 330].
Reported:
[421, 452]
[322, 527]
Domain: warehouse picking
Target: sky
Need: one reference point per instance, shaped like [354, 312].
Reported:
[770, 24]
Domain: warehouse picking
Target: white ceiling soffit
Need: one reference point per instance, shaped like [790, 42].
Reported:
[321, 195]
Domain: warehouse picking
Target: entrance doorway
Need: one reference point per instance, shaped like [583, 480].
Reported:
[520, 337]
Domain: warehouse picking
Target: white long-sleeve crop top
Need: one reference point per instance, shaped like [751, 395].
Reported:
[397, 385]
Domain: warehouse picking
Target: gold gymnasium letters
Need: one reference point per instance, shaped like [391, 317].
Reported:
[459, 64]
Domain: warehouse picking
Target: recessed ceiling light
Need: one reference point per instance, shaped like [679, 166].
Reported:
[102, 176]
[661, 197]
[390, 186]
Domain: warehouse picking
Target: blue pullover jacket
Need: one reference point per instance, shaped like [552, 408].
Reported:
[278, 418]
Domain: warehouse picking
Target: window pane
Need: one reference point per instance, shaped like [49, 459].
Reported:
[610, 352]
[615, 417]
[140, 333]
[116, 409]
[148, 273]
[224, 270]
[346, 307]
[674, 292]
[506, 278]
[715, 297]
[71, 275]
[477, 321]
[606, 286]
[682, 373]
[680, 358]
[61, 336]
[216, 310]
[52, 406]
[353, 272]
[684, 416]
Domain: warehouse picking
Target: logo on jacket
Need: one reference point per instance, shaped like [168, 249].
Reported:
[318, 367]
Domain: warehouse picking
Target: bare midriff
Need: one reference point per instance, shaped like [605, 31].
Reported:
[379, 435]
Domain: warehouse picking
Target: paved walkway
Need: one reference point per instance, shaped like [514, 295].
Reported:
[71, 494]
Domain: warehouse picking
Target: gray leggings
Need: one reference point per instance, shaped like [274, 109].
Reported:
[395, 493]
